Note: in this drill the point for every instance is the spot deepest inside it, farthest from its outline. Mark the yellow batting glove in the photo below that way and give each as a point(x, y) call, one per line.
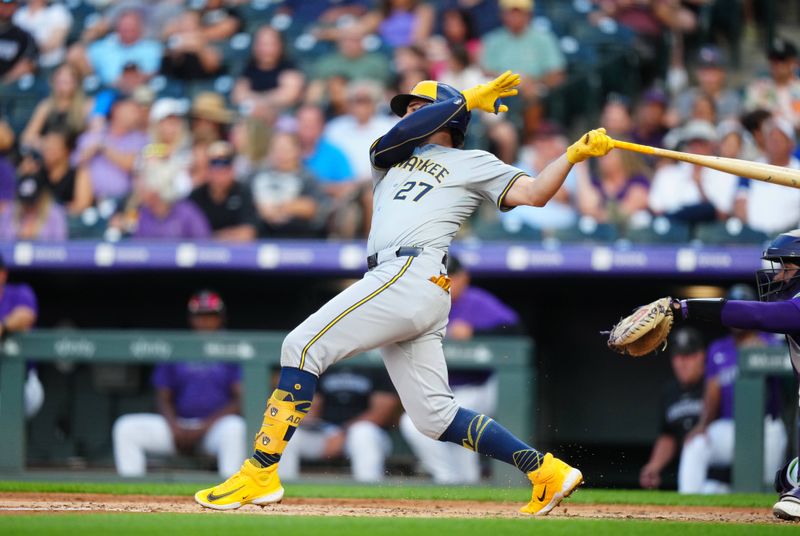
point(485, 96)
point(593, 143)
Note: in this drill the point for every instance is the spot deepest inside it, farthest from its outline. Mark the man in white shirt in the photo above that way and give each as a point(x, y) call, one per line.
point(355, 131)
point(689, 192)
point(772, 208)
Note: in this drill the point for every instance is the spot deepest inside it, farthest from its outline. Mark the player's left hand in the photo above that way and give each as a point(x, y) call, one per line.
point(593, 143)
point(487, 96)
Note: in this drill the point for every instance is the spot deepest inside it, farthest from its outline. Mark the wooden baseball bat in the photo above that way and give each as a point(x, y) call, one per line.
point(742, 168)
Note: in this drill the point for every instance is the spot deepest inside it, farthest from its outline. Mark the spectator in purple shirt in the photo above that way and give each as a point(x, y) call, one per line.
point(162, 214)
point(18, 312)
point(711, 441)
point(109, 155)
point(34, 215)
point(198, 407)
point(473, 311)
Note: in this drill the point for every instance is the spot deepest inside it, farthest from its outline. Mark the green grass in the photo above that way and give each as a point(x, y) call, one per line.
point(230, 525)
point(584, 496)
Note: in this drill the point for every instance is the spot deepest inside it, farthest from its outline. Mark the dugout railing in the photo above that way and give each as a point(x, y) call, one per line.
point(755, 364)
point(510, 358)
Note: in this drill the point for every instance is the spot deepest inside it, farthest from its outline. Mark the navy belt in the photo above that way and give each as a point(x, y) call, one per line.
point(403, 251)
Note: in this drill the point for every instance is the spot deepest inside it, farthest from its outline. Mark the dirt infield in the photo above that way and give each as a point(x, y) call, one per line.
point(53, 503)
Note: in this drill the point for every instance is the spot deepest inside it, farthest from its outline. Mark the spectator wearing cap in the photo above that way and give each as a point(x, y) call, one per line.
point(350, 61)
point(189, 55)
point(18, 313)
point(227, 204)
point(326, 161)
point(71, 186)
point(49, 24)
point(124, 50)
point(767, 207)
point(617, 191)
point(355, 131)
point(711, 441)
point(109, 155)
point(287, 197)
point(269, 78)
point(65, 107)
point(681, 403)
point(34, 215)
point(780, 93)
point(710, 70)
point(198, 407)
point(650, 119)
point(168, 130)
point(531, 51)
point(209, 120)
point(162, 213)
point(690, 193)
point(19, 54)
point(546, 144)
point(475, 312)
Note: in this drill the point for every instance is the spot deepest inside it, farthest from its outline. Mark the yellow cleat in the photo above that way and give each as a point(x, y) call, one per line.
point(552, 481)
point(251, 485)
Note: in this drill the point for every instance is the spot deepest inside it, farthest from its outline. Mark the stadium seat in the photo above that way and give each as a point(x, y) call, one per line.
point(494, 231)
point(660, 231)
point(730, 232)
point(587, 230)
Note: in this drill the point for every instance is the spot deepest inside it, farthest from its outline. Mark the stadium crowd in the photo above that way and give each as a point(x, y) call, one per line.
point(246, 119)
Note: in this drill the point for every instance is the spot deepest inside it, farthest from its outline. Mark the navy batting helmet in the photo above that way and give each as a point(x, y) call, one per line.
point(432, 91)
point(779, 282)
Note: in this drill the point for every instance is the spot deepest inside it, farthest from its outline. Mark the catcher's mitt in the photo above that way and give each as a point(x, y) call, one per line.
point(643, 331)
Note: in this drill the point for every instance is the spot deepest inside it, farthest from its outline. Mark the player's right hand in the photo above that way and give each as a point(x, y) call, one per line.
point(593, 143)
point(485, 96)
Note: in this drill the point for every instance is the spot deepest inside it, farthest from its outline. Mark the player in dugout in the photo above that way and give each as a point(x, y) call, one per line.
point(425, 186)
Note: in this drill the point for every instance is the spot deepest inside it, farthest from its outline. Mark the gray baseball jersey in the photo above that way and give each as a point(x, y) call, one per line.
point(423, 200)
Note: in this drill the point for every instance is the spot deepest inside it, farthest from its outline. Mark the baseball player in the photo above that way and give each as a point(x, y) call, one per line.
point(778, 311)
point(424, 188)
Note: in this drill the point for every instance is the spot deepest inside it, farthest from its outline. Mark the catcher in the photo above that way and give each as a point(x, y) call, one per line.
point(778, 311)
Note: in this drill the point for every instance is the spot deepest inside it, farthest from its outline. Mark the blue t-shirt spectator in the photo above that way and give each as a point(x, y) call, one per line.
point(329, 164)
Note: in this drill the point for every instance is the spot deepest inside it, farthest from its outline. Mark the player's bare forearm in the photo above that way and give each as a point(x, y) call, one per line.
point(537, 192)
point(664, 450)
point(20, 318)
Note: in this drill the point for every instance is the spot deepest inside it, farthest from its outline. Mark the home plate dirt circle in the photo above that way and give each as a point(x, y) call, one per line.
point(88, 503)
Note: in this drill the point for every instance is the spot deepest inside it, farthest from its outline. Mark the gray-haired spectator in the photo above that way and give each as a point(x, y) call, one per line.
point(162, 213)
point(34, 215)
point(122, 56)
point(49, 24)
point(771, 208)
point(109, 155)
point(18, 51)
point(691, 193)
point(355, 131)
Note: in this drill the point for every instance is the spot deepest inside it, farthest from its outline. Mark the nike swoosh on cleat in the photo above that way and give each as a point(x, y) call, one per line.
point(544, 492)
point(211, 497)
